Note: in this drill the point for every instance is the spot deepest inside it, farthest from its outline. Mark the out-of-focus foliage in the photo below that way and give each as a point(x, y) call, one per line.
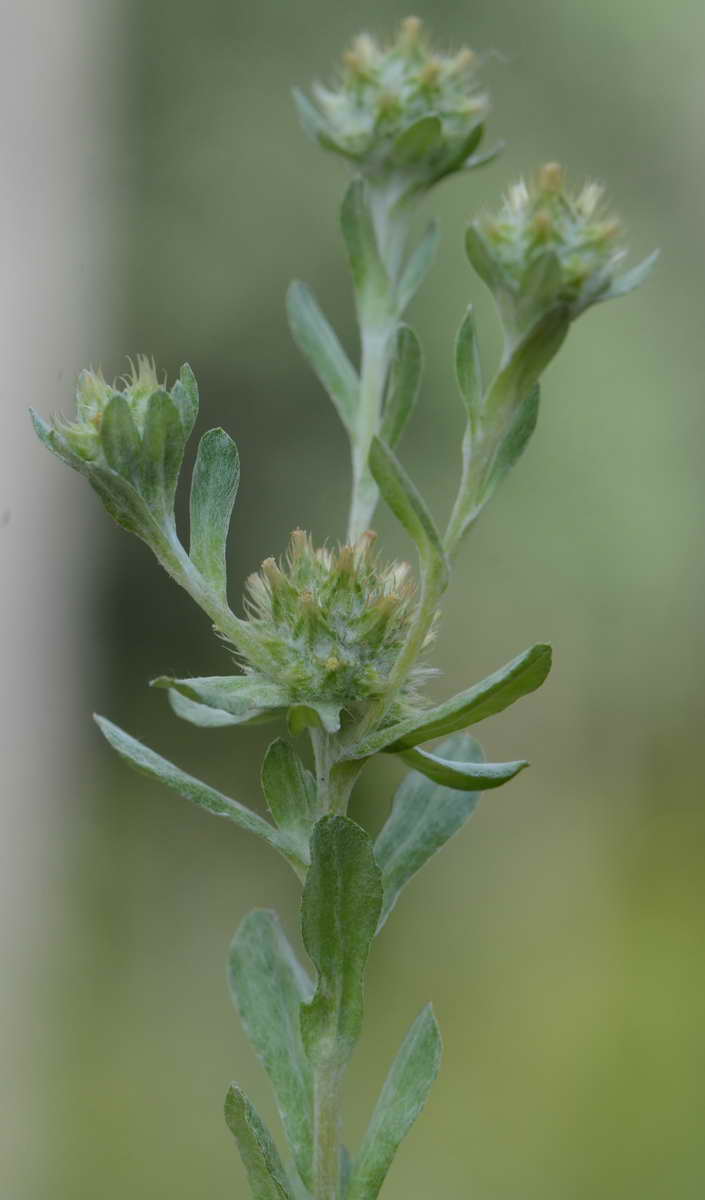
point(560, 936)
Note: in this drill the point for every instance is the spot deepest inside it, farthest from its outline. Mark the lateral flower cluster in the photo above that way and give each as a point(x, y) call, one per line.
point(550, 246)
point(400, 111)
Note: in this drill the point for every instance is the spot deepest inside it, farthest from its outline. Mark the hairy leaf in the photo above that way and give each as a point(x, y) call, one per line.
point(468, 777)
point(409, 508)
point(153, 765)
point(369, 272)
point(265, 1172)
point(631, 279)
point(162, 453)
point(216, 477)
point(319, 344)
point(468, 368)
point(121, 442)
point(290, 792)
point(418, 266)
point(185, 396)
point(242, 696)
point(402, 385)
point(517, 678)
point(424, 817)
point(401, 1100)
point(269, 986)
point(340, 910)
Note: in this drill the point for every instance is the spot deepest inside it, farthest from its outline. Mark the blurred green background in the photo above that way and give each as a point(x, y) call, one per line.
point(561, 935)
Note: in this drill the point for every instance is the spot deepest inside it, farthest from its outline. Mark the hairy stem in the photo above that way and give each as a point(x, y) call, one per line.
point(326, 1131)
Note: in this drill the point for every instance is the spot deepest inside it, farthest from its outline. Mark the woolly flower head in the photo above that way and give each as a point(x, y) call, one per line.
point(327, 625)
point(549, 246)
point(93, 395)
point(400, 110)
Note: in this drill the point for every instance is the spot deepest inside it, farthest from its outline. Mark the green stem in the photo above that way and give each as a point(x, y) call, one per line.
point(326, 1131)
point(376, 348)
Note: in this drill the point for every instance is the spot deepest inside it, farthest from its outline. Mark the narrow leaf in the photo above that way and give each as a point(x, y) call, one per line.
point(162, 453)
point(120, 440)
point(467, 777)
point(153, 765)
point(418, 266)
point(515, 440)
point(243, 696)
point(480, 258)
point(268, 987)
point(369, 273)
point(631, 279)
point(517, 678)
point(212, 718)
point(468, 368)
point(341, 905)
point(408, 507)
point(129, 509)
point(185, 396)
point(290, 792)
point(216, 477)
point(401, 1100)
point(259, 1155)
point(319, 344)
point(402, 385)
point(424, 817)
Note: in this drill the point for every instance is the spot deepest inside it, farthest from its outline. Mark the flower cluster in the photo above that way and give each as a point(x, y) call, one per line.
point(547, 247)
point(93, 396)
point(328, 625)
point(400, 110)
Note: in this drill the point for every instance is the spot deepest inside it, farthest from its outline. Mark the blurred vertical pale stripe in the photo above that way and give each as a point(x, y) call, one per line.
point(53, 221)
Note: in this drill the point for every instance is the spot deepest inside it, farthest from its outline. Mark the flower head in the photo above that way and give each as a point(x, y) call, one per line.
point(550, 247)
point(93, 396)
point(400, 111)
point(326, 626)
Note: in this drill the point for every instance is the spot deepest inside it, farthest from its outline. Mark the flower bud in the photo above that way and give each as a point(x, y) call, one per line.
point(550, 248)
point(402, 113)
point(93, 395)
point(326, 626)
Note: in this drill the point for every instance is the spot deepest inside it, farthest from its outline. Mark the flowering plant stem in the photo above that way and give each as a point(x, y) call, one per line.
point(333, 641)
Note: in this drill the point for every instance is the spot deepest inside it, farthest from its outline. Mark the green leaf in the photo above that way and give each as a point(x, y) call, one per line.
point(216, 477)
point(418, 266)
point(56, 443)
point(515, 440)
point(468, 367)
point(185, 396)
point(211, 718)
point(402, 385)
point(259, 1155)
point(340, 909)
point(403, 1096)
point(121, 442)
point(319, 344)
point(313, 716)
point(630, 279)
point(129, 509)
point(369, 273)
point(162, 453)
point(290, 792)
point(268, 987)
point(417, 141)
point(481, 259)
point(424, 817)
point(408, 507)
point(315, 125)
point(515, 679)
point(529, 359)
point(467, 777)
point(242, 696)
point(154, 766)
